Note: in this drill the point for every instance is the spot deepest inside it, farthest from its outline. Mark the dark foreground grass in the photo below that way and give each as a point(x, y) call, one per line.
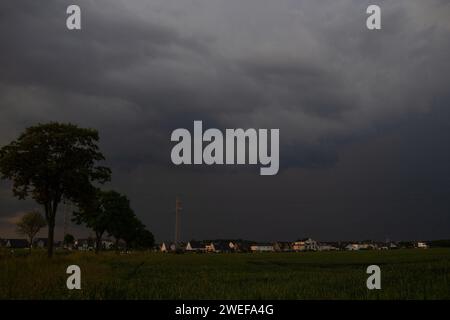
point(406, 274)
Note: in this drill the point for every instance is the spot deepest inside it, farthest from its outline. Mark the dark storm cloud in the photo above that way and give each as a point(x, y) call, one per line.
point(139, 69)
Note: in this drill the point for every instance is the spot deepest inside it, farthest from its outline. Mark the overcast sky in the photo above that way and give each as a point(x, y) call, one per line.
point(363, 115)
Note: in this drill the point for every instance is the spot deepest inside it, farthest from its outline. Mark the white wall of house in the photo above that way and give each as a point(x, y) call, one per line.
point(257, 248)
point(422, 245)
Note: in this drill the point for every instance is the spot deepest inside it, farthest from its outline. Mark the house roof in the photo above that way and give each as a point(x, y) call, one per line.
point(221, 246)
point(197, 244)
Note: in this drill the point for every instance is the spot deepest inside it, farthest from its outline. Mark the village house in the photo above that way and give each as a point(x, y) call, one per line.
point(393, 245)
point(328, 246)
point(421, 245)
point(365, 245)
point(217, 247)
point(306, 244)
point(352, 247)
point(195, 246)
point(84, 244)
point(167, 247)
point(239, 246)
point(107, 244)
point(233, 246)
point(368, 246)
point(16, 243)
point(262, 247)
point(282, 246)
point(386, 246)
point(40, 243)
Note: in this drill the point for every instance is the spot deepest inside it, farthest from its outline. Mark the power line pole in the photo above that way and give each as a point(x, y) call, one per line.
point(177, 221)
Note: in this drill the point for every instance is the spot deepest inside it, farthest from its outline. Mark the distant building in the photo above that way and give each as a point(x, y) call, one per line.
point(40, 243)
point(422, 245)
point(217, 247)
point(262, 247)
point(327, 246)
point(168, 247)
point(233, 245)
point(368, 246)
point(240, 246)
point(107, 244)
point(306, 244)
point(16, 243)
point(195, 246)
point(282, 246)
point(393, 245)
point(85, 244)
point(352, 247)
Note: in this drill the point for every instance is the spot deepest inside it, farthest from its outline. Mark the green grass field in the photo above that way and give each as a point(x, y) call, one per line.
point(406, 274)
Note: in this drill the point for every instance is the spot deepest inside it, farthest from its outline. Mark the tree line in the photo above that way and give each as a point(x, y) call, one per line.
point(55, 162)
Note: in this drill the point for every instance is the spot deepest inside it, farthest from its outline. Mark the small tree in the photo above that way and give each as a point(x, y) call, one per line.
point(30, 224)
point(50, 162)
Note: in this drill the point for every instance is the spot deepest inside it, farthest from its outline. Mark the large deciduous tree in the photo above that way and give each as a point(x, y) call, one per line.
point(30, 224)
point(53, 161)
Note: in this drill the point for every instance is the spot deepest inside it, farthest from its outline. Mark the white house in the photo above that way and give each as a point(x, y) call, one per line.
point(306, 244)
point(85, 244)
point(262, 247)
point(217, 246)
point(239, 246)
point(107, 244)
point(167, 247)
point(352, 247)
point(195, 246)
point(233, 245)
point(422, 245)
point(327, 247)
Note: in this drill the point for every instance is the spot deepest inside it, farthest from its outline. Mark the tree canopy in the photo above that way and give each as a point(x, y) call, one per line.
point(30, 224)
point(49, 162)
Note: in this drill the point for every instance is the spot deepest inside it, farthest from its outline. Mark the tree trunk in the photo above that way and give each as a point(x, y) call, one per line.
point(50, 213)
point(98, 242)
point(51, 231)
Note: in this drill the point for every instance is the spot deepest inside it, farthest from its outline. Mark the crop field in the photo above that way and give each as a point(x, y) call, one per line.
point(405, 274)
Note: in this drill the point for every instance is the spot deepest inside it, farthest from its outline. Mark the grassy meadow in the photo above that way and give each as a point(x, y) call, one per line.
point(406, 274)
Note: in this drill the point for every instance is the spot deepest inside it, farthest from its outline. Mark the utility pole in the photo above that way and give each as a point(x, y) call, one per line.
point(177, 221)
